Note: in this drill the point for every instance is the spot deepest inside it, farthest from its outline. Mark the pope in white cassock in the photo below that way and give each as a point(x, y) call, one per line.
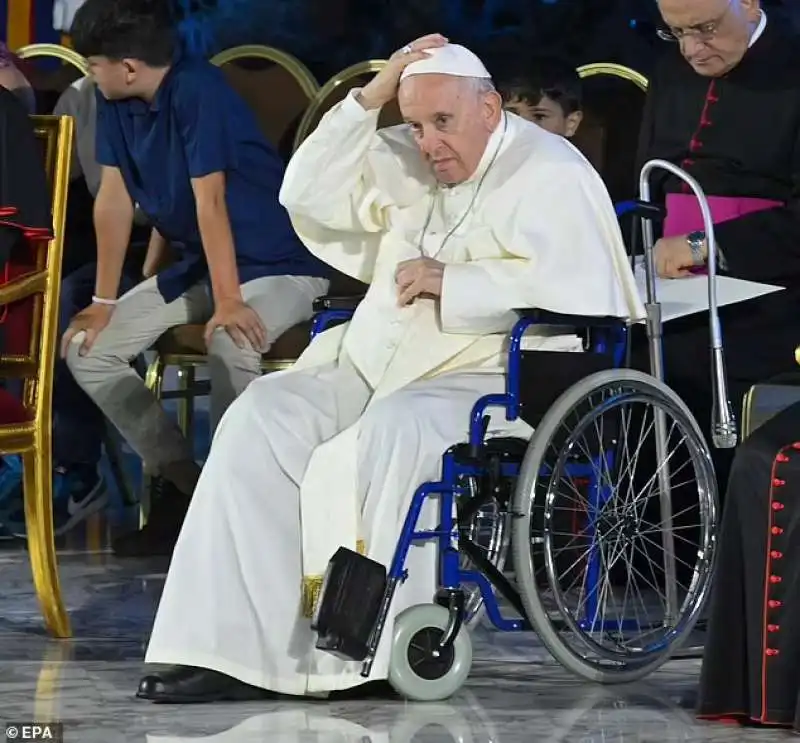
point(454, 219)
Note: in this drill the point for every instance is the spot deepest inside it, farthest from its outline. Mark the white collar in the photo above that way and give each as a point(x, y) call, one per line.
point(762, 24)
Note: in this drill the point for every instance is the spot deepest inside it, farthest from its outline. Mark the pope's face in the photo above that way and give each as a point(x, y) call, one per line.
point(451, 119)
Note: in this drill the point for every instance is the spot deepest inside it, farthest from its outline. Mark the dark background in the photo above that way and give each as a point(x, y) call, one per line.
point(329, 35)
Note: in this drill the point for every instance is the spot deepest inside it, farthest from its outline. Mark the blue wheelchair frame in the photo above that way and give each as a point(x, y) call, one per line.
point(609, 337)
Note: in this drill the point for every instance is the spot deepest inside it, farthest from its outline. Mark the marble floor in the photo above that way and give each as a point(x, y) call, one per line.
point(88, 682)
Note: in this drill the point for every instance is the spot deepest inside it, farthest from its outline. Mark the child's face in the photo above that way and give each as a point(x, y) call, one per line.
point(547, 114)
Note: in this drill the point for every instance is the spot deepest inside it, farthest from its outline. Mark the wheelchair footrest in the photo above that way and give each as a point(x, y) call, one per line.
point(348, 604)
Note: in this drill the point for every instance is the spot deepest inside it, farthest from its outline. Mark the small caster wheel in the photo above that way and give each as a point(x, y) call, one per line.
point(418, 669)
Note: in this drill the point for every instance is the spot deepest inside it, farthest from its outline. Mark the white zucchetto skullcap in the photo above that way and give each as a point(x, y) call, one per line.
point(451, 59)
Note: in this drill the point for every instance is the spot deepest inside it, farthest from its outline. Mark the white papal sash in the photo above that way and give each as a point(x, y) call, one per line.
point(330, 512)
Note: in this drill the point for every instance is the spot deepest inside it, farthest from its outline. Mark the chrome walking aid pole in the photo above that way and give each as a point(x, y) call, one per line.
point(723, 424)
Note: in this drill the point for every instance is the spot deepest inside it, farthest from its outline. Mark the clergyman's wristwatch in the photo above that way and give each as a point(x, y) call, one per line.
point(696, 242)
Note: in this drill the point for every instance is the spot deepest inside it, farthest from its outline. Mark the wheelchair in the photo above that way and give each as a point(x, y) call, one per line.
point(553, 534)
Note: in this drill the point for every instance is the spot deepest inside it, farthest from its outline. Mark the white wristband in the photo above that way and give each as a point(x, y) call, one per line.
point(106, 302)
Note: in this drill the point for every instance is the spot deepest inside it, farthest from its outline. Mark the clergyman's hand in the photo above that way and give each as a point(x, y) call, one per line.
point(91, 322)
point(383, 87)
point(673, 257)
point(418, 277)
point(240, 321)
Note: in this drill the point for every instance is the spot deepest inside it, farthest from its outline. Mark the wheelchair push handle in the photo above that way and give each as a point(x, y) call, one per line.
point(723, 421)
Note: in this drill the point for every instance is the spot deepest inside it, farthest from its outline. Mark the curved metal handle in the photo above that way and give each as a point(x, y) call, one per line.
point(723, 422)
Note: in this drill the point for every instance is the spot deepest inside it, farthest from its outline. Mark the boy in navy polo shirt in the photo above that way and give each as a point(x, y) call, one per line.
point(174, 138)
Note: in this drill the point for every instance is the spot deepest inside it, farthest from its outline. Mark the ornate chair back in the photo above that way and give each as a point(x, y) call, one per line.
point(277, 86)
point(335, 90)
point(614, 98)
point(47, 81)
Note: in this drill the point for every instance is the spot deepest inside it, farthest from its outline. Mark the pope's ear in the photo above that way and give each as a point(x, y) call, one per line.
point(494, 107)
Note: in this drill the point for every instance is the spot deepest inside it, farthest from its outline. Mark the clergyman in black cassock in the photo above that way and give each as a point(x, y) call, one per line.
point(738, 134)
point(751, 668)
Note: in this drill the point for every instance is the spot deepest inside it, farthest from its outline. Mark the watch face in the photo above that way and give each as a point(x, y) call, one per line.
point(696, 237)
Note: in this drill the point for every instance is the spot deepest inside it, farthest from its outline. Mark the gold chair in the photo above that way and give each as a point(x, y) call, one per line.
point(335, 90)
point(183, 347)
point(277, 86)
point(613, 106)
point(766, 399)
point(49, 84)
point(30, 300)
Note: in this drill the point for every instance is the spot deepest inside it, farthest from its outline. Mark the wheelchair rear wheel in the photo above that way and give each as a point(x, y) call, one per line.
point(616, 508)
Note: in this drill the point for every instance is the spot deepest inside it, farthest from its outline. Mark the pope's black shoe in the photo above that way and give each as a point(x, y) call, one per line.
point(189, 685)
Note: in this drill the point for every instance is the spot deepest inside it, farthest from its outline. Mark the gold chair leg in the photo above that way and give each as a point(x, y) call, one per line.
point(154, 378)
point(154, 381)
point(46, 704)
point(186, 380)
point(38, 495)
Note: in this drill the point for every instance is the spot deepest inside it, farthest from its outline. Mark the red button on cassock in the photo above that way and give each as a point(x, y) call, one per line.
point(777, 506)
point(775, 579)
point(775, 604)
point(772, 651)
point(775, 555)
point(777, 531)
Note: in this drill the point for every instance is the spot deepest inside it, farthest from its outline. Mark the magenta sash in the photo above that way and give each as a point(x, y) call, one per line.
point(683, 211)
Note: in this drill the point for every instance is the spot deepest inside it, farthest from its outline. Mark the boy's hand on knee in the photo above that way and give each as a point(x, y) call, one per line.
point(240, 321)
point(91, 323)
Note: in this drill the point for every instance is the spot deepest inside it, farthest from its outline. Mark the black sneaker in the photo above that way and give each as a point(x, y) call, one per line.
point(158, 536)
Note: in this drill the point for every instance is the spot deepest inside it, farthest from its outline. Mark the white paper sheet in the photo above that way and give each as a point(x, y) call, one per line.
point(681, 297)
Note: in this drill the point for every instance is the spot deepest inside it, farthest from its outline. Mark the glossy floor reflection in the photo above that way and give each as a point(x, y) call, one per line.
point(88, 683)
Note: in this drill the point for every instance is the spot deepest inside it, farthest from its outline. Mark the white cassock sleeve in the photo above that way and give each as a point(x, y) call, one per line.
point(328, 179)
point(561, 249)
point(343, 182)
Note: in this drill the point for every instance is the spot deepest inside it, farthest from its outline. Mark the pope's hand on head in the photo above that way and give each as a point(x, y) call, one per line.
point(383, 87)
point(418, 277)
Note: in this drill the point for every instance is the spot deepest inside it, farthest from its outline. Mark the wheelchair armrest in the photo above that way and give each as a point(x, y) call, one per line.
point(328, 303)
point(544, 317)
point(644, 209)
